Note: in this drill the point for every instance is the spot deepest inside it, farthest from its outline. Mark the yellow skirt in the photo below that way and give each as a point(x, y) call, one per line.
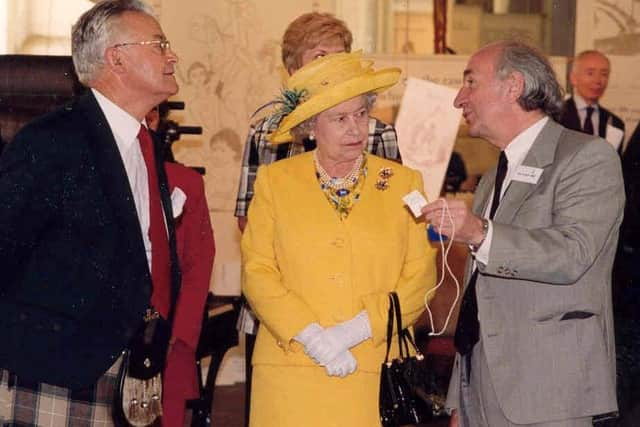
point(294, 396)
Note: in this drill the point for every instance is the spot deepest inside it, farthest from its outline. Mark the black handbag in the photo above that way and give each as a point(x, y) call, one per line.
point(404, 398)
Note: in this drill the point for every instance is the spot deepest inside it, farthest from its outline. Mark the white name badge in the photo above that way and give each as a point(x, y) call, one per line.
point(614, 136)
point(528, 174)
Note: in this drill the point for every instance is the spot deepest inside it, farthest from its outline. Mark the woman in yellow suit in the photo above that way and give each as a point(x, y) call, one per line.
point(328, 238)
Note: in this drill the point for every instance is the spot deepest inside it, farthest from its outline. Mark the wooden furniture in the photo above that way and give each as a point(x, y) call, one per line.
point(31, 85)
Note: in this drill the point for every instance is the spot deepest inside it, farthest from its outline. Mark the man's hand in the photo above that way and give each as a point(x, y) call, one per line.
point(466, 227)
point(453, 421)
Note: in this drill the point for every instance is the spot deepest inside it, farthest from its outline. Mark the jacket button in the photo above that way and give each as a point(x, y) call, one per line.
point(338, 243)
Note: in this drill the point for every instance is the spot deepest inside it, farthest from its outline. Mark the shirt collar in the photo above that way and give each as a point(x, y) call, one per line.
point(521, 144)
point(124, 126)
point(582, 105)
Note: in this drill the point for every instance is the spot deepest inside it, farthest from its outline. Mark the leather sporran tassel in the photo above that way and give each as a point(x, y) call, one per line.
point(154, 396)
point(133, 413)
point(145, 400)
point(140, 379)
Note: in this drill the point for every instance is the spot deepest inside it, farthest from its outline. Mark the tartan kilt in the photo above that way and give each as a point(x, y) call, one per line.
point(38, 404)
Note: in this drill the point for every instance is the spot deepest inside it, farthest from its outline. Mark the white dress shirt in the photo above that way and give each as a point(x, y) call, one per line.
point(125, 129)
point(516, 151)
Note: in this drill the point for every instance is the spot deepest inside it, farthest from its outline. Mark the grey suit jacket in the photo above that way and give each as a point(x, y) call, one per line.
point(544, 298)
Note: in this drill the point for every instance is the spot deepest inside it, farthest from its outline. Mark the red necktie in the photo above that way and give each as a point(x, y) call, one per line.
point(160, 258)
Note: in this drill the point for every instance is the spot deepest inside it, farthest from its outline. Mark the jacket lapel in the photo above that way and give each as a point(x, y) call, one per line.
point(111, 171)
point(571, 119)
point(602, 125)
point(540, 155)
point(481, 200)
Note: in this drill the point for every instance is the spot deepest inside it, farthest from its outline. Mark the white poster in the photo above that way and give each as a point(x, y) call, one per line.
point(427, 125)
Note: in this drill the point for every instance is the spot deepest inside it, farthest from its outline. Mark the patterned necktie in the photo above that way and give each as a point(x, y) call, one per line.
point(160, 257)
point(468, 329)
point(588, 124)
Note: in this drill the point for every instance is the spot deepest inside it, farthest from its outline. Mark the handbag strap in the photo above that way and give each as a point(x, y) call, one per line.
point(389, 328)
point(403, 347)
point(404, 334)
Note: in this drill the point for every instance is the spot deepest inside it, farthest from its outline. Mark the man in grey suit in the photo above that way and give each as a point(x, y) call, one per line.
point(534, 339)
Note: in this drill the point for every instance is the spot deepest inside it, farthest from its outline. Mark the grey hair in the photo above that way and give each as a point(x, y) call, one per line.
point(94, 31)
point(303, 129)
point(541, 88)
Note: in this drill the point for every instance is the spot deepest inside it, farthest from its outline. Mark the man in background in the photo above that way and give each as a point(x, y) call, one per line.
point(582, 112)
point(80, 251)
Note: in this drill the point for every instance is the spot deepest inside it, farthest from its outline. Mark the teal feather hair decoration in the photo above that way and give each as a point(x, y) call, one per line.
point(288, 100)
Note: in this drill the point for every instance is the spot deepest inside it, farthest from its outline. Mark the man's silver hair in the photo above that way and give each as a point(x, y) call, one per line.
point(541, 88)
point(94, 32)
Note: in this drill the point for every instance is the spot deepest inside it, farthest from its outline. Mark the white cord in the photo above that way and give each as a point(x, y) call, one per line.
point(445, 268)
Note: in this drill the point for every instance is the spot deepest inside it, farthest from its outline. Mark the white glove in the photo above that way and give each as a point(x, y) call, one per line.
point(342, 365)
point(308, 334)
point(325, 346)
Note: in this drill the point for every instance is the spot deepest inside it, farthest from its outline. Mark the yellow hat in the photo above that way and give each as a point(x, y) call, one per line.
point(325, 83)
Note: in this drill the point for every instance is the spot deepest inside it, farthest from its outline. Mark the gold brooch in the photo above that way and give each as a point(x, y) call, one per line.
point(385, 173)
point(382, 184)
point(383, 181)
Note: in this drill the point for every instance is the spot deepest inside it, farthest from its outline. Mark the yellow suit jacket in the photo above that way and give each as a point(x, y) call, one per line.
point(302, 264)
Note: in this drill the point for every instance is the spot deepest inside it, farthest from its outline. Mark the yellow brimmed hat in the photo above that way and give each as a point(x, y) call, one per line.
point(325, 83)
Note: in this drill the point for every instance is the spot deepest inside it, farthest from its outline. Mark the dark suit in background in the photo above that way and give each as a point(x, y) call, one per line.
point(626, 291)
point(569, 118)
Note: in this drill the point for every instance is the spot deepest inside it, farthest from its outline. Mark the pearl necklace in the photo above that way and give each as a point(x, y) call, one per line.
point(343, 184)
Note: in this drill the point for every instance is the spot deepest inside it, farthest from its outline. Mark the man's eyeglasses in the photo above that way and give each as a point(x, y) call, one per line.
point(163, 44)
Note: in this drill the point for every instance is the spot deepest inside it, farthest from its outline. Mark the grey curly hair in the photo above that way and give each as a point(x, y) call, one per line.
point(541, 88)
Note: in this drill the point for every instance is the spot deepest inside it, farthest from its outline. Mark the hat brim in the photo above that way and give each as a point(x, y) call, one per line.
point(376, 81)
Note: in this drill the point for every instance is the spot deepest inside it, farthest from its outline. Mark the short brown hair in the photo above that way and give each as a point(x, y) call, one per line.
point(306, 31)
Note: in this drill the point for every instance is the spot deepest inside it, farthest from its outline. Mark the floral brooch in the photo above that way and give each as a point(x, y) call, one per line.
point(383, 178)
